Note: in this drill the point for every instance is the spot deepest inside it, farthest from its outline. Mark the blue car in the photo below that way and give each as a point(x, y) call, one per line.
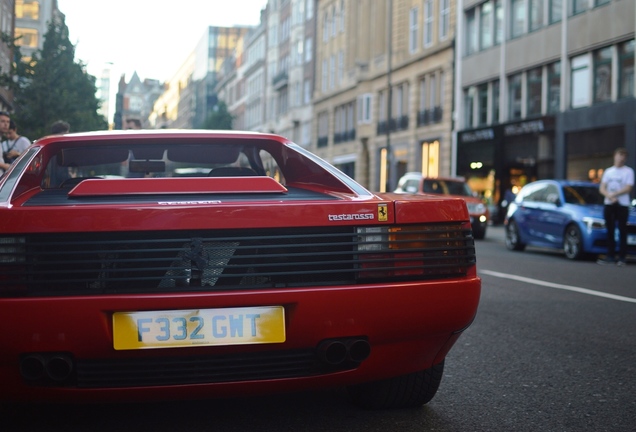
point(562, 214)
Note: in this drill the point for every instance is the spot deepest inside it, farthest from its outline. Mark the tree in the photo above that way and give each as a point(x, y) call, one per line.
point(58, 89)
point(220, 118)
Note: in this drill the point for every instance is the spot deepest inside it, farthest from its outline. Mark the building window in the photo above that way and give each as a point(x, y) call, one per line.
point(444, 19)
point(307, 92)
point(364, 108)
point(482, 105)
point(324, 76)
point(428, 22)
point(485, 24)
point(514, 96)
point(433, 91)
point(469, 100)
point(27, 9)
point(556, 10)
point(340, 76)
point(626, 69)
point(308, 49)
point(554, 87)
point(495, 102)
point(323, 129)
point(536, 14)
point(430, 159)
point(423, 93)
point(499, 22)
point(534, 84)
point(342, 16)
point(581, 85)
point(332, 71)
point(603, 75)
point(27, 37)
point(471, 33)
point(517, 18)
point(413, 30)
point(579, 6)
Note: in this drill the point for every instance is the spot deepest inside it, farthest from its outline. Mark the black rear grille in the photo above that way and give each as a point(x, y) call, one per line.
point(153, 371)
point(165, 261)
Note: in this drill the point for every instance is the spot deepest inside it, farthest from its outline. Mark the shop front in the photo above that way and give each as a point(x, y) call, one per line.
point(499, 160)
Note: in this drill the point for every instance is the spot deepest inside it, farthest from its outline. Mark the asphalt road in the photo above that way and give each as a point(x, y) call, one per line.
point(553, 348)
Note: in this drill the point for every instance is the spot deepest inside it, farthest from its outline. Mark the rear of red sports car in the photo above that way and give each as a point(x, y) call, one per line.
point(163, 265)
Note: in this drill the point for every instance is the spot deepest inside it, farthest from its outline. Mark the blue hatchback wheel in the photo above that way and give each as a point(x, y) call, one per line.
point(573, 243)
point(513, 241)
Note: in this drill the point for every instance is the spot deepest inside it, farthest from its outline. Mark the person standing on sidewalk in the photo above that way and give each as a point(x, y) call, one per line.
point(616, 185)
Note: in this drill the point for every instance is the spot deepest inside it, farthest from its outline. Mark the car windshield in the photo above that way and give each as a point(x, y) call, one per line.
point(582, 195)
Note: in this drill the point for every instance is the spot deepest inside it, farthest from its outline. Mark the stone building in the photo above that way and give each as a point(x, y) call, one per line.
point(544, 88)
point(383, 94)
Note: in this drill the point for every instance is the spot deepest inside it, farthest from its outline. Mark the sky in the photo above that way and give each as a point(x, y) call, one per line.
point(151, 37)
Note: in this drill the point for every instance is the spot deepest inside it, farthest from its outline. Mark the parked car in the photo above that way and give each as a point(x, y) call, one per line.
point(561, 214)
point(272, 272)
point(415, 182)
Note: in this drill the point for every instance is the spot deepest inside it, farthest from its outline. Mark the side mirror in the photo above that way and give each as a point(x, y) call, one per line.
point(411, 189)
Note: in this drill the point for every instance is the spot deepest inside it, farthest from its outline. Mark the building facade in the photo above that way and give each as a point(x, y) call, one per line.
point(383, 95)
point(32, 18)
point(7, 20)
point(544, 88)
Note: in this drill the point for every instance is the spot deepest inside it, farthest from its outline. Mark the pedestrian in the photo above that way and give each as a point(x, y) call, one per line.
point(5, 119)
point(14, 144)
point(60, 127)
point(616, 185)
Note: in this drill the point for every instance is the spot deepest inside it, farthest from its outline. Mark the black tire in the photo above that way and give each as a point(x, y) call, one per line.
point(513, 241)
point(479, 234)
point(406, 391)
point(573, 243)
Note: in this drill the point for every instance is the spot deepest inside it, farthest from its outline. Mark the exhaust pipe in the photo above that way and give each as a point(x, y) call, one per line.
point(358, 350)
point(59, 367)
point(332, 351)
point(32, 367)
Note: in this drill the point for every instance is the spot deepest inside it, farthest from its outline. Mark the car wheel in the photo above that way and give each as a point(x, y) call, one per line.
point(513, 240)
point(573, 243)
point(480, 233)
point(406, 391)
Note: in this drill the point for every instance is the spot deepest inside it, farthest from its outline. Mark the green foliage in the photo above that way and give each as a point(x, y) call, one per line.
point(55, 87)
point(220, 118)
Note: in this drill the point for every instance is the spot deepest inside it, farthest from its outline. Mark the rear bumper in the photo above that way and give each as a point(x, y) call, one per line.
point(409, 327)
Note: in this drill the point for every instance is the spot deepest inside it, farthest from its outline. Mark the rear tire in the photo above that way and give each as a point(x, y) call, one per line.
point(513, 240)
point(406, 391)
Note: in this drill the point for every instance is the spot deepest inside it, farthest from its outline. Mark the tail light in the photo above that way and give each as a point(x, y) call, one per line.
point(12, 263)
point(412, 250)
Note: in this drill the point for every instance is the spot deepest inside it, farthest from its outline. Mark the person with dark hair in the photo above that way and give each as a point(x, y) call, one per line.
point(133, 123)
point(60, 127)
point(616, 185)
point(14, 144)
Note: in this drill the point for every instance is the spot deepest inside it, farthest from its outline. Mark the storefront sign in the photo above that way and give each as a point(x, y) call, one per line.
point(524, 128)
point(479, 135)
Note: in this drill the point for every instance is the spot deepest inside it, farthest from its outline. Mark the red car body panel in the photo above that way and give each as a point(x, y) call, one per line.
point(409, 322)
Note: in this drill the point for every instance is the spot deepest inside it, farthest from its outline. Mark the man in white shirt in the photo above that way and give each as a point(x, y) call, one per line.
point(14, 144)
point(616, 185)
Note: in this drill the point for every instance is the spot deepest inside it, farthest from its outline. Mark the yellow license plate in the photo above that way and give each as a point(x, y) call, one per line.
point(198, 327)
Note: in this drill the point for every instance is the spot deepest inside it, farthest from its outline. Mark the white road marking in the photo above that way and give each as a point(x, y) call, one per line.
point(558, 286)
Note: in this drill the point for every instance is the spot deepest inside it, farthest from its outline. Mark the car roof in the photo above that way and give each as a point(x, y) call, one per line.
point(445, 178)
point(565, 182)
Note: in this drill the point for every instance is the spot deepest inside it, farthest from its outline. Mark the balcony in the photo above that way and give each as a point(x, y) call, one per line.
point(396, 124)
point(280, 81)
point(430, 116)
point(340, 137)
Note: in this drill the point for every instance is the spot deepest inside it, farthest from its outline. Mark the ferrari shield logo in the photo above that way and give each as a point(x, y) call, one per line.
point(383, 214)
